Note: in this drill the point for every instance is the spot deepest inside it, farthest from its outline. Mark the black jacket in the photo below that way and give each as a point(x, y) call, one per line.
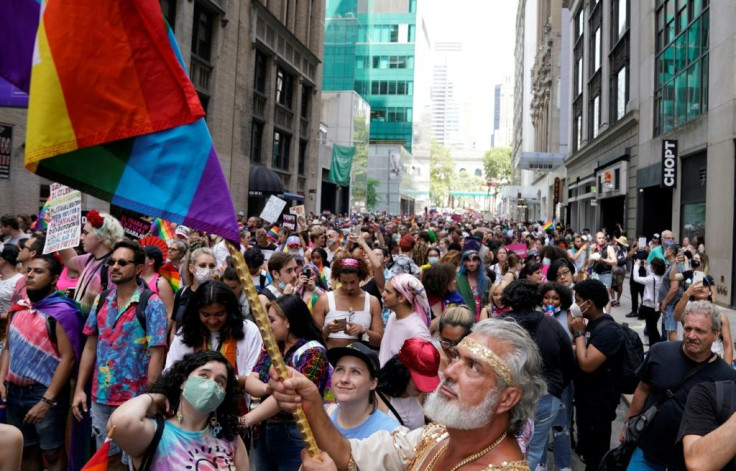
point(554, 346)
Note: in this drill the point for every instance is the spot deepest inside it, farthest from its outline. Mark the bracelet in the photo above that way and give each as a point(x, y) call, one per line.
point(48, 401)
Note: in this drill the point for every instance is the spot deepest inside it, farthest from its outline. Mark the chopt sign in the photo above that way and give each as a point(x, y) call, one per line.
point(669, 163)
point(65, 226)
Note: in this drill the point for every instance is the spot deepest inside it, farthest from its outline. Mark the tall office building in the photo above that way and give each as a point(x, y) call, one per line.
point(503, 113)
point(446, 113)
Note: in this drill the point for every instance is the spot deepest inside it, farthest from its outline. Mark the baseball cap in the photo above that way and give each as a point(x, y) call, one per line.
point(423, 361)
point(656, 235)
point(293, 240)
point(182, 231)
point(358, 350)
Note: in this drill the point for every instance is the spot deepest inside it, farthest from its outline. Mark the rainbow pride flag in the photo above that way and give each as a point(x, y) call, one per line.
point(18, 25)
point(112, 113)
point(163, 229)
point(41, 224)
point(548, 225)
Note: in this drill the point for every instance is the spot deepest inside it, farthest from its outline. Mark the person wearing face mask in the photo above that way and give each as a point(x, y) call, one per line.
point(433, 258)
point(213, 320)
point(670, 291)
point(441, 285)
point(37, 362)
point(599, 352)
point(194, 405)
point(202, 265)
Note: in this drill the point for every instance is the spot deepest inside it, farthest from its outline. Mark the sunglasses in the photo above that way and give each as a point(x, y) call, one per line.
point(111, 262)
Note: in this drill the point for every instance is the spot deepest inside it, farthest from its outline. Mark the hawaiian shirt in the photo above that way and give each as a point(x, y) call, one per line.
point(121, 368)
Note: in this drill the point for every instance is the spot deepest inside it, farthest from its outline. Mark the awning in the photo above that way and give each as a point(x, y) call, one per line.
point(293, 196)
point(264, 182)
point(478, 194)
point(540, 161)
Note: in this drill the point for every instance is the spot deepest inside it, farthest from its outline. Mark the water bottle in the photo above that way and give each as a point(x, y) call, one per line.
point(549, 310)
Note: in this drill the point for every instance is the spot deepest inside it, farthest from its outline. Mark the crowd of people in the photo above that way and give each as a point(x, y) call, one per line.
point(436, 342)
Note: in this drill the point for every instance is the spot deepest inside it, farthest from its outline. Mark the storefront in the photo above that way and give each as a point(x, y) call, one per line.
point(611, 188)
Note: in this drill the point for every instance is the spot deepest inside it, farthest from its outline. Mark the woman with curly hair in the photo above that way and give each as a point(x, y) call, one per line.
point(277, 443)
point(348, 313)
point(198, 395)
point(213, 320)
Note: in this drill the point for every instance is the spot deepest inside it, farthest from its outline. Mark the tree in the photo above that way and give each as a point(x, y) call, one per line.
point(441, 173)
point(371, 197)
point(497, 163)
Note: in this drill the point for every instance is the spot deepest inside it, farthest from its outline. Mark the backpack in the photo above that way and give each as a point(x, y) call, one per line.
point(140, 308)
point(631, 358)
point(620, 256)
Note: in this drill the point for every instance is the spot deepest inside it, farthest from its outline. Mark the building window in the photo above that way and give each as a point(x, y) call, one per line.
point(284, 87)
point(682, 40)
point(392, 87)
point(259, 82)
point(478, 172)
point(281, 147)
point(256, 141)
point(306, 100)
point(577, 128)
point(594, 49)
point(168, 8)
point(302, 156)
point(619, 60)
point(594, 82)
point(202, 32)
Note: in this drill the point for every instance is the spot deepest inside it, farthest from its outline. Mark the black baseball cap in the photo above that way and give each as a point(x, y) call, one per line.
point(356, 349)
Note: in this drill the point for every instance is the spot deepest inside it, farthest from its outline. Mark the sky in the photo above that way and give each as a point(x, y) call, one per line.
point(487, 30)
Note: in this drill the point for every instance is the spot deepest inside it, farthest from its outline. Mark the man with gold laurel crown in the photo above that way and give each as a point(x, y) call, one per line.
point(489, 390)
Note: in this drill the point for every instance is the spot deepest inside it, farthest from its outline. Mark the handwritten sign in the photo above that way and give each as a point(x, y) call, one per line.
point(273, 209)
point(134, 226)
point(65, 211)
point(290, 221)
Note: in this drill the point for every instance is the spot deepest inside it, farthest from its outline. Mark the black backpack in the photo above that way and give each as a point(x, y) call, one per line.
point(140, 309)
point(632, 356)
point(621, 256)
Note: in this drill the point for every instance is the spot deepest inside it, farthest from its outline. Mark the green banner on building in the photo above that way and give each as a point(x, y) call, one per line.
point(342, 162)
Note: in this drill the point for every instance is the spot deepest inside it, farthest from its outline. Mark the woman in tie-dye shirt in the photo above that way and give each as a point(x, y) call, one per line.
point(199, 394)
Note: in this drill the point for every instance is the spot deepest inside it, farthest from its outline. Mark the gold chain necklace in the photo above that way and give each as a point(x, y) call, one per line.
point(467, 460)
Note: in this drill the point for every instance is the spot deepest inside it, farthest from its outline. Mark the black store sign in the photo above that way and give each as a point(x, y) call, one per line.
point(669, 163)
point(6, 149)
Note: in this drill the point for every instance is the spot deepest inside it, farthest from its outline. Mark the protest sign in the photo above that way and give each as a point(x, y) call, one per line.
point(301, 217)
point(272, 211)
point(289, 221)
point(133, 226)
point(65, 225)
point(518, 249)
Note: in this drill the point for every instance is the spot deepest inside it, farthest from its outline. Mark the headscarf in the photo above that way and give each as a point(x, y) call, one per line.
point(413, 290)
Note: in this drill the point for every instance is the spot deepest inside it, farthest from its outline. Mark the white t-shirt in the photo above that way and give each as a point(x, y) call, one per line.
point(397, 331)
point(247, 351)
point(6, 291)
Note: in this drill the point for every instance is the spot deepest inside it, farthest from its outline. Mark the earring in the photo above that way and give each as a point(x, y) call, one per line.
point(179, 417)
point(216, 427)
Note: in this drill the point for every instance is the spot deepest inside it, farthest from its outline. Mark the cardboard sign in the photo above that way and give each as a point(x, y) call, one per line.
point(273, 209)
point(518, 249)
point(301, 217)
point(289, 221)
point(65, 225)
point(133, 226)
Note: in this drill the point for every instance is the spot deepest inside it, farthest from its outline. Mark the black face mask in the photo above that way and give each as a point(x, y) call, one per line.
point(38, 294)
point(695, 264)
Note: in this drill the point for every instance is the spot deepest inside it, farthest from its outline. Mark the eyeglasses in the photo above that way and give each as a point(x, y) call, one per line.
point(448, 344)
point(564, 272)
point(111, 262)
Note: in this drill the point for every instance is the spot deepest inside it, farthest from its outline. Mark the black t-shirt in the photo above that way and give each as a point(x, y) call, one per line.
point(664, 368)
point(372, 288)
point(702, 415)
point(600, 388)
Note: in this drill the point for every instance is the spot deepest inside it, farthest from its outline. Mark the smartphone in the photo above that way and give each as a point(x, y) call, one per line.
point(698, 276)
point(642, 242)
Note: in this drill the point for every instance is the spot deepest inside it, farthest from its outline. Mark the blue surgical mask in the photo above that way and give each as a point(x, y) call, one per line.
point(669, 243)
point(433, 260)
point(546, 261)
point(203, 394)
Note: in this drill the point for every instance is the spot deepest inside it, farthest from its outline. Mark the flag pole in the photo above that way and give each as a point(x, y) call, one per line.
point(269, 341)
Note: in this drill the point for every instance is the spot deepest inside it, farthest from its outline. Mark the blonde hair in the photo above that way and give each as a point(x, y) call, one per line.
point(111, 231)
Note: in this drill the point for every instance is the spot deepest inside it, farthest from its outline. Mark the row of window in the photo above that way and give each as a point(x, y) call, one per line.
point(384, 87)
point(401, 33)
point(384, 62)
point(682, 63)
point(392, 114)
point(281, 149)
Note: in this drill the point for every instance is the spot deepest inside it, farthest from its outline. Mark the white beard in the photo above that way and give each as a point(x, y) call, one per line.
point(452, 414)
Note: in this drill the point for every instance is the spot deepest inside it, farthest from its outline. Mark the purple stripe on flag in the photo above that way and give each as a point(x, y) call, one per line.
point(18, 26)
point(212, 193)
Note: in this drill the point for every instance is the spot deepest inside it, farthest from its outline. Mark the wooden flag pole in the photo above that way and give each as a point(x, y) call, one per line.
point(269, 341)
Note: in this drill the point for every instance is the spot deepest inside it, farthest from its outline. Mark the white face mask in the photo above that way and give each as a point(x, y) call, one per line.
point(203, 274)
point(575, 310)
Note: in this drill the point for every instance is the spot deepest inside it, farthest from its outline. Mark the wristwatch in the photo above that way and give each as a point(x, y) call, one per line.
point(48, 401)
point(578, 334)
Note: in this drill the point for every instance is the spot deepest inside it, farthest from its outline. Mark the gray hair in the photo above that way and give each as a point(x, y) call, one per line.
point(457, 316)
point(706, 308)
point(181, 245)
point(525, 363)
